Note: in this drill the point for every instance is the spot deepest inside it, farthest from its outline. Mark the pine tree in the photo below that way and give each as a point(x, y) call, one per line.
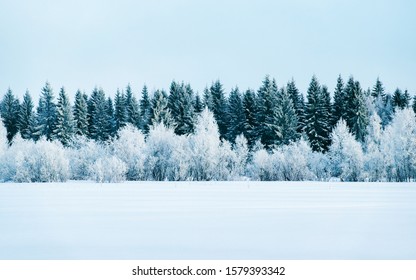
point(298, 104)
point(160, 112)
point(326, 115)
point(414, 104)
point(378, 90)
point(132, 107)
point(9, 111)
point(235, 115)
point(145, 110)
point(98, 116)
point(198, 105)
point(26, 117)
point(250, 118)
point(316, 127)
point(80, 114)
point(400, 99)
point(120, 114)
point(339, 107)
point(64, 123)
point(208, 100)
point(286, 117)
point(268, 112)
point(357, 113)
point(180, 103)
point(46, 113)
point(219, 107)
point(111, 128)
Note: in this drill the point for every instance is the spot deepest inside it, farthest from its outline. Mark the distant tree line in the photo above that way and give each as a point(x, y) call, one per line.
point(348, 134)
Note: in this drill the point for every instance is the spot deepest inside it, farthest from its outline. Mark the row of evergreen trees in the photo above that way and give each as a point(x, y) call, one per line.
point(275, 116)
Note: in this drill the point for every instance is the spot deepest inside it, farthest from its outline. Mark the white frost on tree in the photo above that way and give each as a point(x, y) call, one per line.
point(130, 148)
point(347, 160)
point(399, 147)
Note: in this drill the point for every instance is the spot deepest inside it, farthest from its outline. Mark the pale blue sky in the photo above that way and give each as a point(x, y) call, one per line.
point(83, 43)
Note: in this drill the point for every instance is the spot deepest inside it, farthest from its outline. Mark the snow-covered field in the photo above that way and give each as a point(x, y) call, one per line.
point(208, 220)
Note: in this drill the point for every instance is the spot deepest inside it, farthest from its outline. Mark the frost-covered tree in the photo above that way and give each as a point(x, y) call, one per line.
point(46, 113)
point(203, 149)
point(130, 147)
point(80, 110)
point(346, 155)
point(160, 163)
point(399, 146)
point(241, 150)
point(43, 161)
point(64, 123)
point(374, 165)
point(9, 111)
point(180, 103)
point(108, 169)
point(236, 115)
point(27, 117)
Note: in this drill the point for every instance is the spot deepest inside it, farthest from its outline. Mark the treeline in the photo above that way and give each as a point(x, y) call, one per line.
point(278, 134)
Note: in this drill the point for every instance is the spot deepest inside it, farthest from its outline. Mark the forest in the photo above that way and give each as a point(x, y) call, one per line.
point(274, 133)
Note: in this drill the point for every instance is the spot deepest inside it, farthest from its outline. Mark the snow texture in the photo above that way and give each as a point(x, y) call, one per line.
point(208, 220)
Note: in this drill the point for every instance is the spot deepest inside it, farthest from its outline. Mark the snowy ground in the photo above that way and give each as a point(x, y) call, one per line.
point(208, 220)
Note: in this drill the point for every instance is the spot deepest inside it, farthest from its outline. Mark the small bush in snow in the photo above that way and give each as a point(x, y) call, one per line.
point(108, 169)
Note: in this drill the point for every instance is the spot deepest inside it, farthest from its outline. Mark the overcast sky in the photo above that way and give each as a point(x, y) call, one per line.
point(84, 43)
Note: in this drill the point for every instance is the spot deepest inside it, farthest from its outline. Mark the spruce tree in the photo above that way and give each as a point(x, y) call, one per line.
point(46, 113)
point(286, 118)
point(27, 117)
point(208, 100)
point(414, 104)
point(298, 104)
point(80, 114)
point(145, 110)
point(160, 112)
point(98, 129)
point(120, 114)
point(9, 111)
point(64, 123)
point(267, 103)
point(198, 105)
point(180, 103)
point(250, 118)
point(111, 128)
point(339, 107)
point(326, 115)
point(378, 90)
point(315, 127)
point(400, 99)
point(357, 113)
point(219, 107)
point(235, 115)
point(132, 107)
